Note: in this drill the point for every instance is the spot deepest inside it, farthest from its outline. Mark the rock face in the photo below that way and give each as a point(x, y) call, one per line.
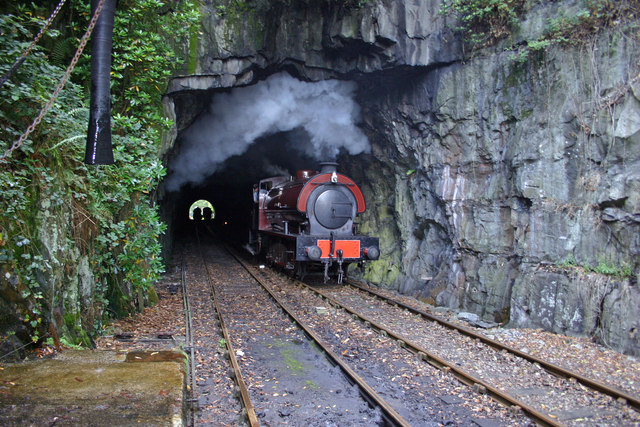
point(496, 185)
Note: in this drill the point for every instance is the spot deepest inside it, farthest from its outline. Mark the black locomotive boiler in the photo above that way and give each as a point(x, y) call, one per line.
point(307, 222)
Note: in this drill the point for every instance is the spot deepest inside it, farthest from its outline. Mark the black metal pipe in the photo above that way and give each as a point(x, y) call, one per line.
point(99, 149)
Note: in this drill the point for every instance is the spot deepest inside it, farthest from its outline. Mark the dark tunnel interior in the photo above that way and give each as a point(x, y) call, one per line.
point(229, 188)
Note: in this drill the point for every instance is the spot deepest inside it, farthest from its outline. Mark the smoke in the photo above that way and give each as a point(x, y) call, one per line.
point(323, 113)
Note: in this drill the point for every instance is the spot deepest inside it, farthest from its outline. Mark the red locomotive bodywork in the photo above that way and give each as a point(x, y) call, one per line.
point(310, 219)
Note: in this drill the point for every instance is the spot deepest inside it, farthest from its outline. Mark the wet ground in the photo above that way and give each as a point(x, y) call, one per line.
point(97, 388)
point(308, 389)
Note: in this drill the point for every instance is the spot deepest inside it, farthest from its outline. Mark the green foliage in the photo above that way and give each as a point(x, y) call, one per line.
point(608, 268)
point(54, 208)
point(523, 54)
point(604, 267)
point(484, 21)
point(593, 16)
point(564, 29)
point(569, 262)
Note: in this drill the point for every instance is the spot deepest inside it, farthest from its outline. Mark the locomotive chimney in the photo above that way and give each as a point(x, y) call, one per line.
point(328, 167)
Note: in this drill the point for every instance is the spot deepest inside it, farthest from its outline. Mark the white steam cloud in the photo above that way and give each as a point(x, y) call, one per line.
point(281, 103)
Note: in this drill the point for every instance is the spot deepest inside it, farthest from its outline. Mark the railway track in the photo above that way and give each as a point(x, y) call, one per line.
point(620, 395)
point(415, 405)
point(289, 371)
point(552, 395)
point(280, 374)
point(213, 394)
point(371, 336)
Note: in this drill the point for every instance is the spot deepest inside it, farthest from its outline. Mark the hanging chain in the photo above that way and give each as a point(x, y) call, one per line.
point(21, 59)
point(48, 105)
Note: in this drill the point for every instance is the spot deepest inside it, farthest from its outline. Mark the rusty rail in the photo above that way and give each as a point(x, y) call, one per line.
point(632, 401)
point(390, 414)
point(242, 387)
point(191, 374)
point(438, 362)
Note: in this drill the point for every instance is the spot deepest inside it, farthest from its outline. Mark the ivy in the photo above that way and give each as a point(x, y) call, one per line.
point(49, 199)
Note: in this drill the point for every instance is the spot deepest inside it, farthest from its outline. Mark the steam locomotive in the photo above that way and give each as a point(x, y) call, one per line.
point(307, 223)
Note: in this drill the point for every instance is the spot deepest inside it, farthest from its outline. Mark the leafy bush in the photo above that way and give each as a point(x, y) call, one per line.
point(50, 200)
point(484, 21)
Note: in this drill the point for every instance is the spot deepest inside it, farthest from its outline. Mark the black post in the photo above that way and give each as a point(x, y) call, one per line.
point(99, 150)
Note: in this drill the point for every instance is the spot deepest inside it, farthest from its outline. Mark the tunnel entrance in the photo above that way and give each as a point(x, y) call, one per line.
point(242, 135)
point(229, 188)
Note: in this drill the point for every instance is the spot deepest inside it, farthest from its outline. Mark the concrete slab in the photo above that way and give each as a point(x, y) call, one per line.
point(98, 388)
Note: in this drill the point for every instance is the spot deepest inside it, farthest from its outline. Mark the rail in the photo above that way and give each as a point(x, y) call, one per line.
point(242, 387)
point(390, 415)
point(189, 339)
point(438, 362)
point(632, 401)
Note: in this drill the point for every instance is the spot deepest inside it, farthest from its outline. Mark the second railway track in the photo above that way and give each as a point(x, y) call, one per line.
point(528, 383)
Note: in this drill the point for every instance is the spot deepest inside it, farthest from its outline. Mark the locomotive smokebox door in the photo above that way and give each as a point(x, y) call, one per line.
point(333, 209)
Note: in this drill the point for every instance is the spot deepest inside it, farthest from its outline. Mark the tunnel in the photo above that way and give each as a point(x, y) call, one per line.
point(229, 188)
point(281, 148)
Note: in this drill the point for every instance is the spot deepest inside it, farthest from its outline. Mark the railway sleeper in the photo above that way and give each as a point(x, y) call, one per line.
point(479, 388)
point(244, 416)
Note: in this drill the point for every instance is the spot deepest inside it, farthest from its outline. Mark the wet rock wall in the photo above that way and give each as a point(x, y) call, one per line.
point(514, 181)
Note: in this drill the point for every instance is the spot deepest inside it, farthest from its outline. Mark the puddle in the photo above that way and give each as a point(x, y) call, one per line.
point(92, 388)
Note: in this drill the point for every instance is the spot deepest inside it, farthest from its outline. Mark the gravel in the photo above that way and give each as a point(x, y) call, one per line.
point(421, 393)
